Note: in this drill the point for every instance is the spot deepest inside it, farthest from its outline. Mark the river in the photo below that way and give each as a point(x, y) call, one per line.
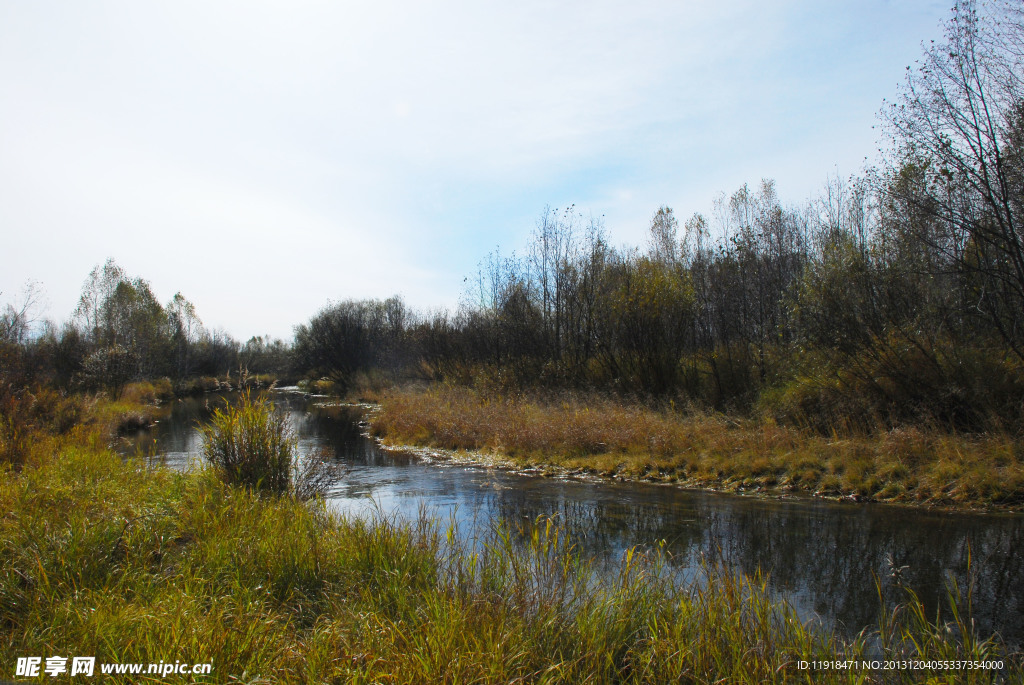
point(823, 557)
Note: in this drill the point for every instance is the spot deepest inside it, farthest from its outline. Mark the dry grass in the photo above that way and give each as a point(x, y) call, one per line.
point(607, 437)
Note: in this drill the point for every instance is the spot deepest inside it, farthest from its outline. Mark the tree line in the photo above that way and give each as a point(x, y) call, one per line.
point(120, 332)
point(895, 296)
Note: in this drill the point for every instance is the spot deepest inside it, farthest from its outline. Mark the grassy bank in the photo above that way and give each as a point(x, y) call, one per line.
point(608, 437)
point(104, 557)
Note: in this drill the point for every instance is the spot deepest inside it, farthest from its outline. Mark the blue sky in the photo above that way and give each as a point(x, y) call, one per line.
point(265, 157)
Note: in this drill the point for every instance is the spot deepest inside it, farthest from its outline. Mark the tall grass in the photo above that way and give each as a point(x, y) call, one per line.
point(250, 444)
point(609, 437)
point(104, 559)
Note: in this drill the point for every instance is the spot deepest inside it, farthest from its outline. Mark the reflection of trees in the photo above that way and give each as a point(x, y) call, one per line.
point(827, 555)
point(338, 428)
point(176, 431)
point(824, 557)
point(602, 520)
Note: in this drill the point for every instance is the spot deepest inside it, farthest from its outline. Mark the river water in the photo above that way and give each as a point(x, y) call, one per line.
point(823, 557)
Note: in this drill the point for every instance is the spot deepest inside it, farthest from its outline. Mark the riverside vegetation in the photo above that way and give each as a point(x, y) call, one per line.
point(105, 557)
point(603, 436)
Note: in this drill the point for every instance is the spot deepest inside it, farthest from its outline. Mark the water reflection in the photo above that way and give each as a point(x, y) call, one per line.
point(823, 557)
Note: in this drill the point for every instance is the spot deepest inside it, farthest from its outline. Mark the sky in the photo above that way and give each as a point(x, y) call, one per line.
point(264, 158)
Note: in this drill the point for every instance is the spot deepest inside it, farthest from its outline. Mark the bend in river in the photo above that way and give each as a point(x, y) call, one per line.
point(822, 557)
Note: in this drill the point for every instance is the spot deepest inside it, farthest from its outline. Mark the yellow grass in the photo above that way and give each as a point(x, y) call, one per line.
point(608, 437)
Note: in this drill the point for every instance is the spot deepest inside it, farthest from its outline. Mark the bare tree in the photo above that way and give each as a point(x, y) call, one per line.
point(959, 131)
point(664, 240)
point(18, 317)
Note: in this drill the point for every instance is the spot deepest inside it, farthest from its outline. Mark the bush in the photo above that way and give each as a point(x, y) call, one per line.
point(108, 368)
point(148, 392)
point(251, 445)
point(29, 414)
point(893, 382)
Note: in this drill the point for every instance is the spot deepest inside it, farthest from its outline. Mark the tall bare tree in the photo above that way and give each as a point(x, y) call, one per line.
point(959, 129)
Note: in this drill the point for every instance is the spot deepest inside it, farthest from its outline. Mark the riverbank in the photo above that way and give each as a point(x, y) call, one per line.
point(103, 557)
point(602, 437)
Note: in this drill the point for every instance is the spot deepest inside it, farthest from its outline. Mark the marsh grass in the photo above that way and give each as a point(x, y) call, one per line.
point(250, 443)
point(606, 436)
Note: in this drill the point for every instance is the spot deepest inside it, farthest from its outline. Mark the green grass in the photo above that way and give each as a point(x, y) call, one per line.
point(250, 444)
point(103, 557)
point(609, 437)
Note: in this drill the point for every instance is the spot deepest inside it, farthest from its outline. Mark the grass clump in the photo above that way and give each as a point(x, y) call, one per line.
point(250, 444)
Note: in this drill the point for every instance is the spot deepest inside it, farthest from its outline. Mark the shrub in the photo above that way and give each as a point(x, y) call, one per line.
point(895, 382)
point(251, 445)
point(108, 368)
